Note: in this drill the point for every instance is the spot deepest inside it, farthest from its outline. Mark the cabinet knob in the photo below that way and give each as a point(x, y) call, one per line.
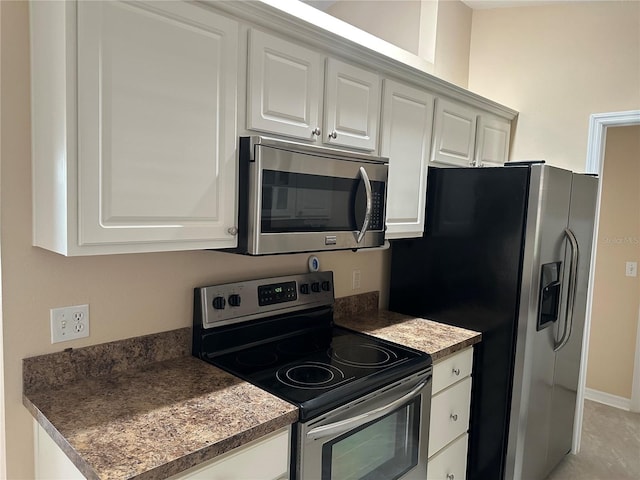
point(450, 476)
point(454, 417)
point(316, 131)
point(456, 372)
point(473, 163)
point(232, 230)
point(333, 135)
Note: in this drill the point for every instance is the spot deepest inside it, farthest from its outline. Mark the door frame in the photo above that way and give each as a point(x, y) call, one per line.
point(598, 125)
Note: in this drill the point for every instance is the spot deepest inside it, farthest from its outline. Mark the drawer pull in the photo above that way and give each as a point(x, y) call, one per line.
point(454, 417)
point(450, 476)
point(456, 371)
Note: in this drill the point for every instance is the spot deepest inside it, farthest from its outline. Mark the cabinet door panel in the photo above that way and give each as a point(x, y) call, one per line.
point(451, 462)
point(266, 458)
point(452, 369)
point(156, 120)
point(493, 141)
point(284, 87)
point(454, 134)
point(449, 415)
point(407, 115)
point(352, 106)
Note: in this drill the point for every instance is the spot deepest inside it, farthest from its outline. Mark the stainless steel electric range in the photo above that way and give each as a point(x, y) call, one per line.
point(364, 402)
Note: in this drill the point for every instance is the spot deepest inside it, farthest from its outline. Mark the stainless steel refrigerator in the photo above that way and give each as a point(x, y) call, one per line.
point(507, 252)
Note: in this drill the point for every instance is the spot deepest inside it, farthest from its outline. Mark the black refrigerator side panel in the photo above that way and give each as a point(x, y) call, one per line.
point(466, 271)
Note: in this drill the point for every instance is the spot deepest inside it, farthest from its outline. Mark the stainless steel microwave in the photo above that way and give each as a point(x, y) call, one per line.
point(303, 198)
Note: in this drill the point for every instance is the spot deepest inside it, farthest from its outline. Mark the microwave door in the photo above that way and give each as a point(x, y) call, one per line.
point(312, 203)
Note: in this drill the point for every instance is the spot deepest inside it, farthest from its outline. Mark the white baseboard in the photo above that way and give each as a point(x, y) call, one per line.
point(608, 399)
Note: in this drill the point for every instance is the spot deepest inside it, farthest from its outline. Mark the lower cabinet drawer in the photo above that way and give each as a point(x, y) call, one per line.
point(451, 462)
point(449, 415)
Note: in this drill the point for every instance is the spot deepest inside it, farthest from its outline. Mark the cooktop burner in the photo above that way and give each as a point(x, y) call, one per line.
point(365, 355)
point(291, 348)
point(311, 375)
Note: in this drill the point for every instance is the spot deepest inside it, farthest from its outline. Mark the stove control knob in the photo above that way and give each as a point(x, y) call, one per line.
point(315, 287)
point(234, 300)
point(304, 288)
point(219, 303)
point(326, 286)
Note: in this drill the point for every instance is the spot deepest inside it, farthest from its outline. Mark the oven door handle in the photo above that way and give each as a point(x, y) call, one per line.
point(367, 214)
point(345, 425)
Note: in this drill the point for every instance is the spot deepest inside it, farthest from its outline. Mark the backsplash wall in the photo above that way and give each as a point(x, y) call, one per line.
point(128, 295)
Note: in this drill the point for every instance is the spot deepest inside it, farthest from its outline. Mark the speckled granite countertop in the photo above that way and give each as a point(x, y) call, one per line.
point(435, 338)
point(135, 417)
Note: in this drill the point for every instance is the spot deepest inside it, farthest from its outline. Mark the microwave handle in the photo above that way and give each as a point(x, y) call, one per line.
point(367, 214)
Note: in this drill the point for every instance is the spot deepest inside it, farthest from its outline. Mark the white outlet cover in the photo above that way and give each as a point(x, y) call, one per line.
point(631, 269)
point(69, 323)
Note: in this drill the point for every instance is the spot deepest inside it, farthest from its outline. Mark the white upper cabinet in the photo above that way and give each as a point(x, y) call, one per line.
point(468, 137)
point(405, 135)
point(289, 94)
point(352, 106)
point(150, 164)
point(454, 134)
point(284, 87)
point(492, 148)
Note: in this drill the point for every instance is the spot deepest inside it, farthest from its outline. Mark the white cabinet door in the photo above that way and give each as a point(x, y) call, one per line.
point(264, 459)
point(451, 462)
point(492, 145)
point(454, 134)
point(352, 106)
point(407, 115)
point(156, 124)
point(284, 87)
point(452, 369)
point(449, 415)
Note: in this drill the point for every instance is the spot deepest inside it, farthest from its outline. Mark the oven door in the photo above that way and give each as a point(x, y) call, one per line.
point(383, 436)
point(314, 200)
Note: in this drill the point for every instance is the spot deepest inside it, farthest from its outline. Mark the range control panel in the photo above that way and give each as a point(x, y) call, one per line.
point(236, 302)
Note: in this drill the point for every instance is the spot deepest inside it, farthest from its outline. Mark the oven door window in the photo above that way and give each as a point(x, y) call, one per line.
point(384, 449)
point(298, 202)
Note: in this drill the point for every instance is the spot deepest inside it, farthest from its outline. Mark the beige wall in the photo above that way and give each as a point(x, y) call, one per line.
point(557, 65)
point(453, 42)
point(397, 22)
point(405, 23)
point(129, 295)
point(616, 297)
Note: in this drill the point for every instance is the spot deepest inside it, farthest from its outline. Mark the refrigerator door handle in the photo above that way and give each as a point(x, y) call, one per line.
point(573, 285)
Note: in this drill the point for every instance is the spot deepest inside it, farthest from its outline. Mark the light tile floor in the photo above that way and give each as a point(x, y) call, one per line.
point(610, 447)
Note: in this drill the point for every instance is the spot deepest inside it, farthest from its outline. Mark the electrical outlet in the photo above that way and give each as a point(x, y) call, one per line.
point(355, 280)
point(69, 323)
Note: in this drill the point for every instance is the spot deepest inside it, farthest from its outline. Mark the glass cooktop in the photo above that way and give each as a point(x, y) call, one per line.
point(322, 368)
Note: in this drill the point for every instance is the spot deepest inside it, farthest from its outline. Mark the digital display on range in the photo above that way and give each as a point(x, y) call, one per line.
point(277, 293)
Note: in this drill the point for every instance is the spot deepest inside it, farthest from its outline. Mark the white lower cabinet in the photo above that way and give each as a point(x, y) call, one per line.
point(264, 459)
point(450, 463)
point(450, 408)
